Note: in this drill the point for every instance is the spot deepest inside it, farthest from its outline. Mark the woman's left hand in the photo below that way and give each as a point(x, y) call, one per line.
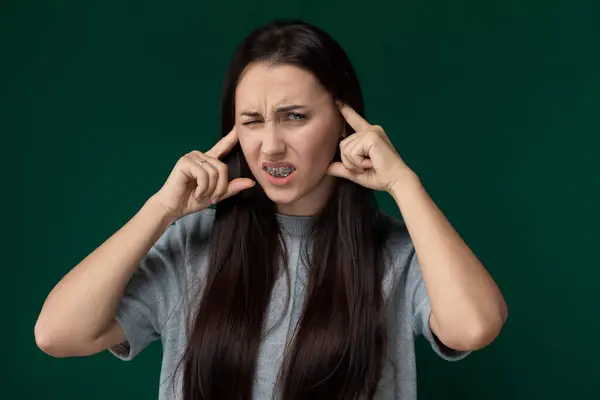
point(368, 156)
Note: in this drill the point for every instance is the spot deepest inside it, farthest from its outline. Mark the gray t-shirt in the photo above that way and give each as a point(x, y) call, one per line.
point(155, 301)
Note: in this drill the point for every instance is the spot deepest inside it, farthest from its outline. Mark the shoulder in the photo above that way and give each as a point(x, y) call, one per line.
point(183, 239)
point(395, 234)
point(176, 258)
point(398, 252)
point(195, 224)
point(192, 232)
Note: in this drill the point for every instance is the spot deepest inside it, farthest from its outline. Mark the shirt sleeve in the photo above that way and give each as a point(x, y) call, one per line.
point(422, 312)
point(142, 308)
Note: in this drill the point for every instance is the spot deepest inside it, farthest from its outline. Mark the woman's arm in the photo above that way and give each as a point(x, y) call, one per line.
point(78, 316)
point(468, 309)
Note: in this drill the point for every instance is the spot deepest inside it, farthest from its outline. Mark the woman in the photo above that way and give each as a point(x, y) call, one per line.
point(295, 285)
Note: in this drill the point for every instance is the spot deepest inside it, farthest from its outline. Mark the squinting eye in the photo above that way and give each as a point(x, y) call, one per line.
point(251, 122)
point(296, 116)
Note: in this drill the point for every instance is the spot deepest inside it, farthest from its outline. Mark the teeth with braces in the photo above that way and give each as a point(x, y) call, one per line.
point(281, 171)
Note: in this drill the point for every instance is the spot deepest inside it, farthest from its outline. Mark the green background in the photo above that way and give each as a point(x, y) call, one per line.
point(495, 105)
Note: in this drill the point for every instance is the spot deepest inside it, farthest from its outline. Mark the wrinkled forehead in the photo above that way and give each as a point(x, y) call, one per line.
point(264, 87)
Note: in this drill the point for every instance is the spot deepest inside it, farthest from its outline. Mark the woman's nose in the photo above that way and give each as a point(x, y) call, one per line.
point(272, 142)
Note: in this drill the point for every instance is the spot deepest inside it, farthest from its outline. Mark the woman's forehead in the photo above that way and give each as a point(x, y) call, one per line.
point(277, 85)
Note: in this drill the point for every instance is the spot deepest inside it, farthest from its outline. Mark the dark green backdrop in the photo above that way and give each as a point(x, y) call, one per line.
point(495, 104)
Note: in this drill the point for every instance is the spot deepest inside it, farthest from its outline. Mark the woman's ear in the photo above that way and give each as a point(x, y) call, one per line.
point(344, 134)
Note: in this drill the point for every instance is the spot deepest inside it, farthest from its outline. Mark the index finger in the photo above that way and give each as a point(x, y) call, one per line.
point(224, 145)
point(353, 118)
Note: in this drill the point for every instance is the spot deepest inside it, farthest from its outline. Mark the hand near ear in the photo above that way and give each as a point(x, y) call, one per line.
point(368, 156)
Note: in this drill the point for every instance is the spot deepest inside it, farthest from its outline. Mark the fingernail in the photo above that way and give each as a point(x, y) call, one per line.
point(214, 200)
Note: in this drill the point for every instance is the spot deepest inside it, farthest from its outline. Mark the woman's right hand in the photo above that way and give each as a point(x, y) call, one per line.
point(199, 180)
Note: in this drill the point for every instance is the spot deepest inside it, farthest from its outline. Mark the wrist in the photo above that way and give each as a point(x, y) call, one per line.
point(406, 180)
point(155, 208)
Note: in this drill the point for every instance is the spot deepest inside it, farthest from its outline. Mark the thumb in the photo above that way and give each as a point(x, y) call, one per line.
point(337, 169)
point(237, 185)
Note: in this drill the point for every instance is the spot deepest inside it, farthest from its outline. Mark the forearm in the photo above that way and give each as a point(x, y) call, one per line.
point(83, 304)
point(467, 306)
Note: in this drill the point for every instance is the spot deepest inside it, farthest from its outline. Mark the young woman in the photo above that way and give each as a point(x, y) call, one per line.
point(294, 286)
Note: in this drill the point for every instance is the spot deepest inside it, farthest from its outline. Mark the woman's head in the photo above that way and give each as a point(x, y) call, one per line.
point(280, 93)
point(340, 337)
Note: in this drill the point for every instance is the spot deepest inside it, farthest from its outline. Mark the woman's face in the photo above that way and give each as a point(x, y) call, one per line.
point(289, 128)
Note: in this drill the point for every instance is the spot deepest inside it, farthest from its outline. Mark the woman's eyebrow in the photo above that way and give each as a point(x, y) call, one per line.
point(250, 113)
point(289, 108)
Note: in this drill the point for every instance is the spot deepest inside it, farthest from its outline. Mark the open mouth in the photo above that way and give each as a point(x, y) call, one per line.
point(280, 172)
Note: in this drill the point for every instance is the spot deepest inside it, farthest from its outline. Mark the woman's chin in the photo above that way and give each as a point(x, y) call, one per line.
point(291, 202)
point(297, 199)
point(281, 196)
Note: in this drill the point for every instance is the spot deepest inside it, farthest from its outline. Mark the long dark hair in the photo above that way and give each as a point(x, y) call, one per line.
point(340, 341)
